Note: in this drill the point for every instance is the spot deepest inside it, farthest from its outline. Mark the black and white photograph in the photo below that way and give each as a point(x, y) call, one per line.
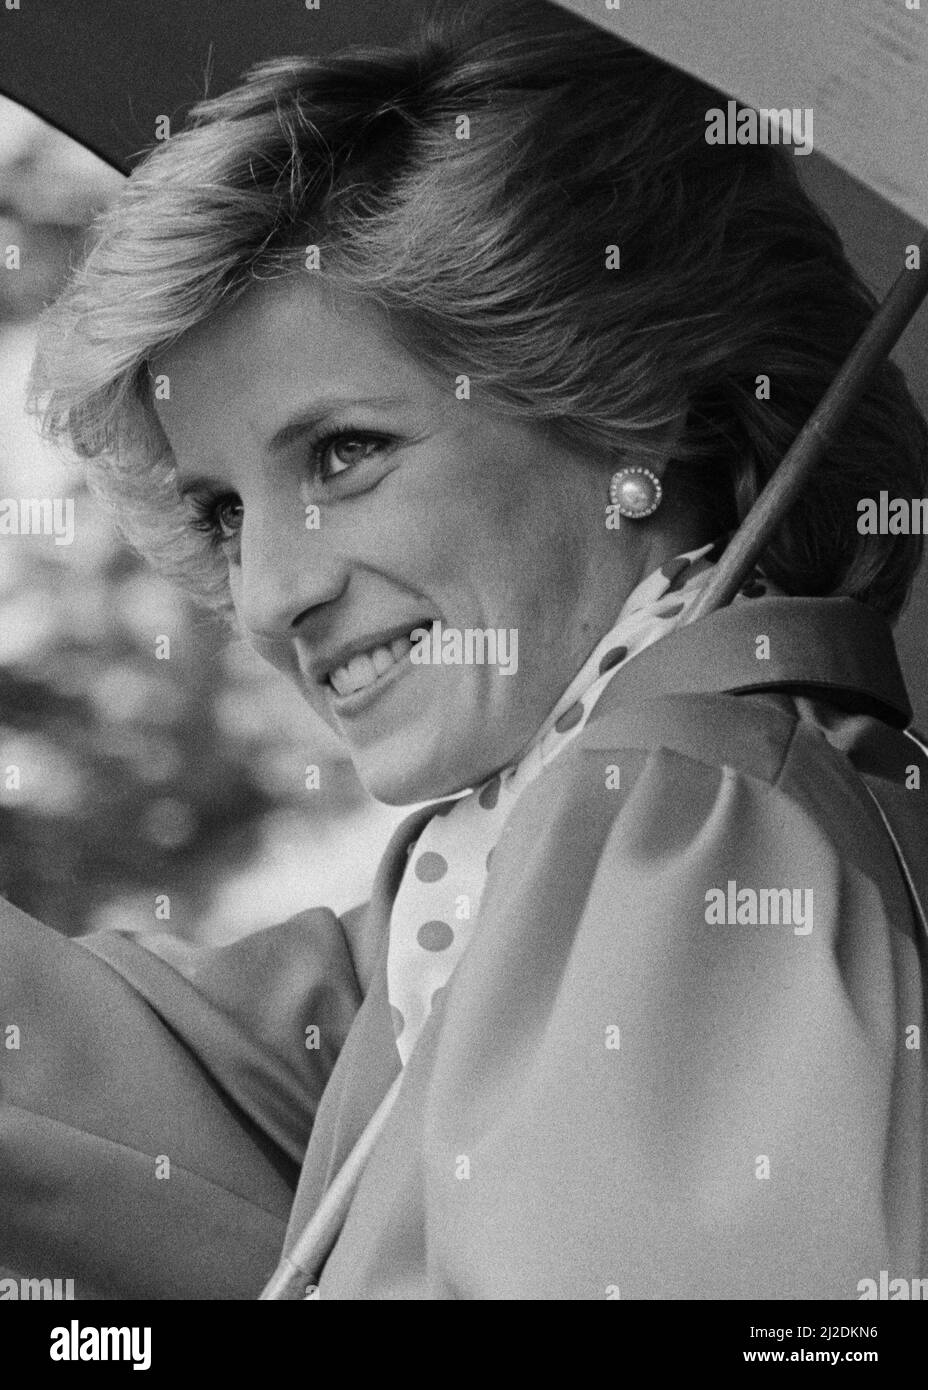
point(463, 652)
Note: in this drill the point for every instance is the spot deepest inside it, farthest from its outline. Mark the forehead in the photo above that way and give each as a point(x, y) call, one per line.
point(281, 345)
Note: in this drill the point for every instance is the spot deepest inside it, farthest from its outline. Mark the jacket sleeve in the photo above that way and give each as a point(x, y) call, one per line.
point(677, 1101)
point(156, 1100)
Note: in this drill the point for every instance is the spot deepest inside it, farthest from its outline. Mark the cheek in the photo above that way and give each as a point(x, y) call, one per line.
point(527, 518)
point(277, 654)
point(534, 568)
point(284, 659)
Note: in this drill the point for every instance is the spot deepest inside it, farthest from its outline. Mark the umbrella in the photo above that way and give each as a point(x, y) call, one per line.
point(104, 73)
point(861, 65)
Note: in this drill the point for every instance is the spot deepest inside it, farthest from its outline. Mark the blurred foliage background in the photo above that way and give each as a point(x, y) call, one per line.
point(125, 778)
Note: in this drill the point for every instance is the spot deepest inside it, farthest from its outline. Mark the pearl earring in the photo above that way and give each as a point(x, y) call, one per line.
point(637, 492)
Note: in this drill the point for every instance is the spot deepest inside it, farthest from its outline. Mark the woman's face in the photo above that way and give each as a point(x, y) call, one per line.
point(357, 498)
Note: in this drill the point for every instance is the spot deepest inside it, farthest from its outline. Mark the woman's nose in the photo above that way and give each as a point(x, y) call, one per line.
point(287, 568)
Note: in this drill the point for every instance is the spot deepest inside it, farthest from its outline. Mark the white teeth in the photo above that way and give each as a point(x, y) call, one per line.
point(340, 682)
point(363, 670)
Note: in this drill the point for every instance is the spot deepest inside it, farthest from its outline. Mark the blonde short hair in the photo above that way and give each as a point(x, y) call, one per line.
point(489, 256)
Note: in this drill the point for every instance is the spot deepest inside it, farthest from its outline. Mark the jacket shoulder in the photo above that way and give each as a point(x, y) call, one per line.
point(666, 767)
point(752, 733)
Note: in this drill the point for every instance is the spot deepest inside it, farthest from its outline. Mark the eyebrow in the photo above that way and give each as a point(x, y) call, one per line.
point(298, 425)
point(313, 415)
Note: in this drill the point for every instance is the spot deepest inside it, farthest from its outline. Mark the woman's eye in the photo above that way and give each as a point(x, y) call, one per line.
point(220, 518)
point(228, 513)
point(336, 453)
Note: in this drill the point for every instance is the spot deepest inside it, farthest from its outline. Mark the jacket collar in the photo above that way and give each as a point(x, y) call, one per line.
point(833, 649)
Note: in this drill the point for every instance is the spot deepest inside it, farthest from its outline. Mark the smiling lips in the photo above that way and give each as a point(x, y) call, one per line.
point(367, 667)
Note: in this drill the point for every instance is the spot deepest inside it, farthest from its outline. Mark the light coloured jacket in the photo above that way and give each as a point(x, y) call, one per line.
point(618, 1095)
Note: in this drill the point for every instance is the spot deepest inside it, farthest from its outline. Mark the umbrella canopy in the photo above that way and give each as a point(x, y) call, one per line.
point(861, 68)
point(103, 72)
point(860, 65)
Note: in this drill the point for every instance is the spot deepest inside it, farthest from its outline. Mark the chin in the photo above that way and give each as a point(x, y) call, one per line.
point(401, 786)
point(409, 782)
